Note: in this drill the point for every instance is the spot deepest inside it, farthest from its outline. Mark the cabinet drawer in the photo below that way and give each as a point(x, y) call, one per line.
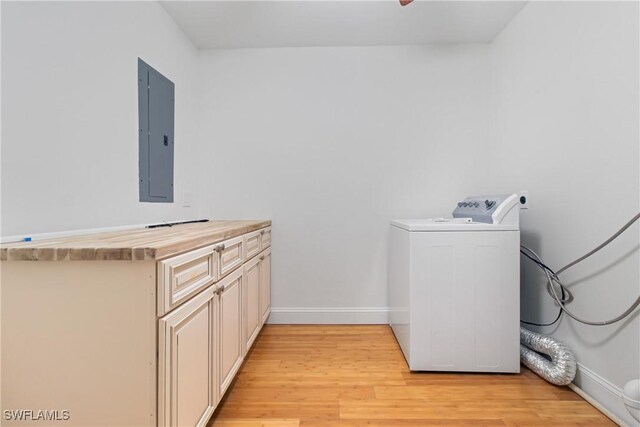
point(251, 244)
point(230, 253)
point(183, 276)
point(266, 238)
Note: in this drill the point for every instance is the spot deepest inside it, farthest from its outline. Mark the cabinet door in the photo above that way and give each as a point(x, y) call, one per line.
point(251, 301)
point(187, 362)
point(265, 285)
point(231, 343)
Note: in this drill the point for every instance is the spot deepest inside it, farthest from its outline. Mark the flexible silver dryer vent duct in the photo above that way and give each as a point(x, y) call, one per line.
point(560, 370)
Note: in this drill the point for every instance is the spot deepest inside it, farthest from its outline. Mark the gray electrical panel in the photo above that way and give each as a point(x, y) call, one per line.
point(156, 100)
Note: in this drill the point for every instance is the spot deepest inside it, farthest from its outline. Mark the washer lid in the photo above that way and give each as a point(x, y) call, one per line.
point(450, 224)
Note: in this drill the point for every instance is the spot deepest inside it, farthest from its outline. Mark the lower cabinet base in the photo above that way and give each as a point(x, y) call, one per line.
point(79, 337)
point(83, 341)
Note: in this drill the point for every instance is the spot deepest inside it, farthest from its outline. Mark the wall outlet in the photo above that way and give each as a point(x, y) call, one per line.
point(186, 199)
point(524, 200)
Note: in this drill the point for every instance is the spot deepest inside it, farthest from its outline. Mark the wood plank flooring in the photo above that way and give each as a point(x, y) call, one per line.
point(351, 375)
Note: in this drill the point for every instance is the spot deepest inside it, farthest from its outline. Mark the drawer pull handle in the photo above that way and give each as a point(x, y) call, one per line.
point(220, 289)
point(261, 231)
point(262, 258)
point(219, 248)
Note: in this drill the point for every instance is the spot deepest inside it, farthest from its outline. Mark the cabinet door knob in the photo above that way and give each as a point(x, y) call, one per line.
point(220, 289)
point(219, 248)
point(262, 258)
point(261, 231)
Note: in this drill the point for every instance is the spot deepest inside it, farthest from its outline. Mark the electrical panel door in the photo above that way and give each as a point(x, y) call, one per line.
point(156, 100)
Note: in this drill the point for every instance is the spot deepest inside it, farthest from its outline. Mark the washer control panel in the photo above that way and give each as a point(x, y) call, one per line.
point(486, 209)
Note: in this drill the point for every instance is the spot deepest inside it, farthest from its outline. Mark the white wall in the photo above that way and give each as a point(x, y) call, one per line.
point(69, 113)
point(566, 129)
point(332, 143)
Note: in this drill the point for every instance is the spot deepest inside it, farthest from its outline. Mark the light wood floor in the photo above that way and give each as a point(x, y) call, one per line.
point(356, 376)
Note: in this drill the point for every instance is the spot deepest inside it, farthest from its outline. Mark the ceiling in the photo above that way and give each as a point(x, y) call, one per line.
point(302, 23)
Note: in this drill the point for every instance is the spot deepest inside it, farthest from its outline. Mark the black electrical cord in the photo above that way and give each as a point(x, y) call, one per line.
point(551, 275)
point(537, 262)
point(544, 324)
point(542, 265)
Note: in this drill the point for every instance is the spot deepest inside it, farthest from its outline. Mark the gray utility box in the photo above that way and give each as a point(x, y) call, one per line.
point(156, 104)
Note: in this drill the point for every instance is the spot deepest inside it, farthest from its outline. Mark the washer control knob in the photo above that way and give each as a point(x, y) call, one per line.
point(489, 203)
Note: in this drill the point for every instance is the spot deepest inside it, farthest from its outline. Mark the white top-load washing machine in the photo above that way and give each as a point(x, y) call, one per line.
point(454, 287)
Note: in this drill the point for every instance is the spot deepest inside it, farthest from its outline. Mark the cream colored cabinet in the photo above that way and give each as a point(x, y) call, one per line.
point(155, 340)
point(252, 244)
point(231, 255)
point(230, 331)
point(265, 284)
point(183, 276)
point(187, 360)
point(236, 302)
point(257, 294)
point(265, 240)
point(251, 285)
point(256, 241)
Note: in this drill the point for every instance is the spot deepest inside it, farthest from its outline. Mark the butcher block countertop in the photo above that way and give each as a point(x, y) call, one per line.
point(129, 245)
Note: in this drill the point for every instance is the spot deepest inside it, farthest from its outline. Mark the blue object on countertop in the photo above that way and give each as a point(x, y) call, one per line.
point(26, 239)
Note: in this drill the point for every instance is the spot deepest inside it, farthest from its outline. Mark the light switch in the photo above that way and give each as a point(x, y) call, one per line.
point(186, 199)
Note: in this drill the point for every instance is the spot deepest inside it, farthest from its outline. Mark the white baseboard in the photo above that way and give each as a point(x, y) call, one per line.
point(328, 316)
point(603, 395)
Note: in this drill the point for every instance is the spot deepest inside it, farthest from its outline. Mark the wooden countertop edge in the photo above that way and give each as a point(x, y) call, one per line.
point(139, 253)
